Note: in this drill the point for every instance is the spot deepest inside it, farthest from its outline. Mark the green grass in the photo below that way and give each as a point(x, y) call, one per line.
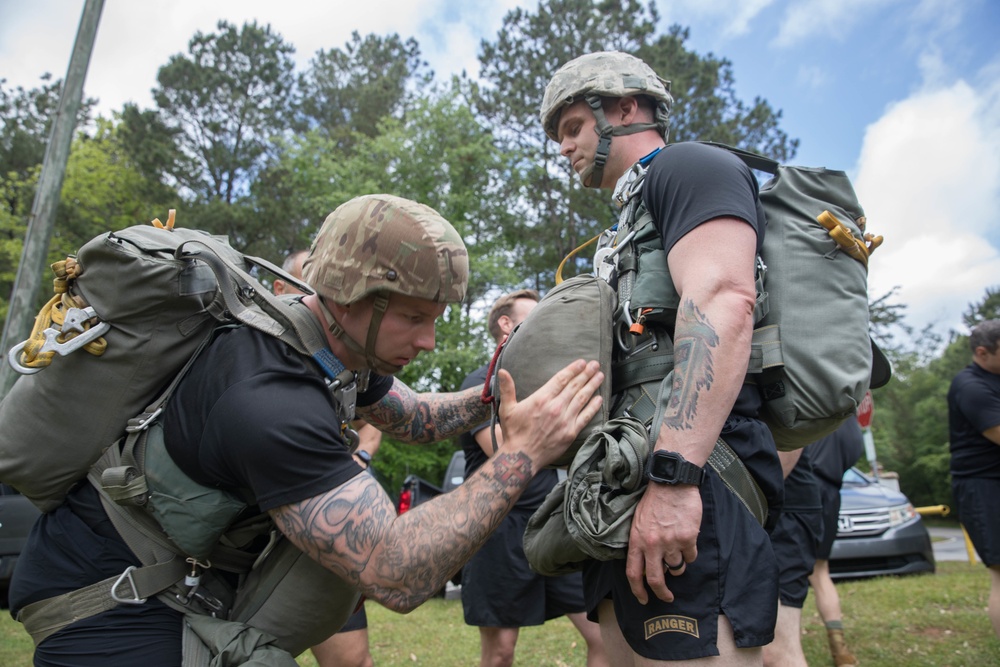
point(921, 621)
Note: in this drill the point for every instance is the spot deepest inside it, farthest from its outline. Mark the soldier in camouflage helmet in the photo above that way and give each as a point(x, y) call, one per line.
point(257, 420)
point(378, 246)
point(700, 578)
point(607, 74)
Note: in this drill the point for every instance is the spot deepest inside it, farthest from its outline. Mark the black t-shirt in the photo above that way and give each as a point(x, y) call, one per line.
point(251, 414)
point(688, 184)
point(475, 457)
point(834, 454)
point(255, 414)
point(973, 408)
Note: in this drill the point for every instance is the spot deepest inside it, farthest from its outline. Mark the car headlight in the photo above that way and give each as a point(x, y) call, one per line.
point(900, 514)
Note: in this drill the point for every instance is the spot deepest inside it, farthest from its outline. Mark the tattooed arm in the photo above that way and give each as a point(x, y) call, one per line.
point(427, 417)
point(712, 269)
point(401, 561)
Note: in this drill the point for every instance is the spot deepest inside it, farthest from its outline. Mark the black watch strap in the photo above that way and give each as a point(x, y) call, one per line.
point(672, 468)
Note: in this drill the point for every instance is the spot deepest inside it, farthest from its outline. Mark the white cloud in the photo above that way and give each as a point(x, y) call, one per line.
point(734, 16)
point(824, 19)
point(134, 39)
point(929, 179)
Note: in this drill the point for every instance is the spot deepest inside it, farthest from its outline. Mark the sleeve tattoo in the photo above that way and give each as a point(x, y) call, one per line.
point(427, 417)
point(693, 367)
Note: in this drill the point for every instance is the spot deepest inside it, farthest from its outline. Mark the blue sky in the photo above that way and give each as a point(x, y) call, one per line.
point(904, 95)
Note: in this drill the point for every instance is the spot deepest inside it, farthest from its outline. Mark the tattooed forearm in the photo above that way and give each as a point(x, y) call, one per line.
point(693, 366)
point(427, 417)
point(437, 538)
point(402, 561)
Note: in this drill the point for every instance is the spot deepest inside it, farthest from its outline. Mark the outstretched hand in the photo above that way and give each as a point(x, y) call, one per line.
point(546, 422)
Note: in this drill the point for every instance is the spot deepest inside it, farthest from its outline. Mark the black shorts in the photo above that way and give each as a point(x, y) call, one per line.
point(977, 499)
point(357, 621)
point(795, 540)
point(735, 575)
point(500, 590)
point(830, 495)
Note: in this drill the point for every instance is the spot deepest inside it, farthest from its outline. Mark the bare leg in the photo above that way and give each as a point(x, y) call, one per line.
point(786, 649)
point(622, 654)
point(828, 606)
point(496, 646)
point(344, 649)
point(827, 598)
point(994, 604)
point(591, 633)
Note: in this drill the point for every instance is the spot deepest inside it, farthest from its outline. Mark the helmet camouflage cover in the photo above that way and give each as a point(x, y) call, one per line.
point(604, 74)
point(383, 243)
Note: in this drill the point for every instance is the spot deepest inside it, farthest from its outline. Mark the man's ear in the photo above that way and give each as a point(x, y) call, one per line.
point(628, 107)
point(279, 286)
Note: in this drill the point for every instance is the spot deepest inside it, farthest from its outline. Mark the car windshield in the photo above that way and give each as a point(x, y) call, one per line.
point(855, 477)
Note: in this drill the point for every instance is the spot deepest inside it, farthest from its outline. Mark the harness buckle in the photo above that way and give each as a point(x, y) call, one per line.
point(127, 576)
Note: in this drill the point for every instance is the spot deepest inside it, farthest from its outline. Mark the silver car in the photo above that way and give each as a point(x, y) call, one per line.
point(878, 532)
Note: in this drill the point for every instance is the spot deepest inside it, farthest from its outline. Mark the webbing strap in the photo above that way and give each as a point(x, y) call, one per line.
point(46, 617)
point(648, 368)
point(737, 478)
point(723, 460)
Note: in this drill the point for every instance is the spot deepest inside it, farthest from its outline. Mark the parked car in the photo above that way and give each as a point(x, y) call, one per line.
point(17, 515)
point(416, 489)
point(878, 532)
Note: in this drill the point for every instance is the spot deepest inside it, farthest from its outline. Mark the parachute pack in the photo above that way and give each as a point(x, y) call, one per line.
point(130, 310)
point(812, 357)
point(817, 358)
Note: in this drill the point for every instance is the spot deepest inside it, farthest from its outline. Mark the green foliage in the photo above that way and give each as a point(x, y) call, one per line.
point(706, 107)
point(26, 121)
point(554, 213)
point(228, 98)
point(350, 91)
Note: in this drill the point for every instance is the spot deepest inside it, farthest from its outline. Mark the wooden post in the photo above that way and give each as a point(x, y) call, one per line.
point(43, 211)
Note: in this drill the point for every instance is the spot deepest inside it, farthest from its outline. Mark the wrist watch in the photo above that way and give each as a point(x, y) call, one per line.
point(364, 456)
point(672, 468)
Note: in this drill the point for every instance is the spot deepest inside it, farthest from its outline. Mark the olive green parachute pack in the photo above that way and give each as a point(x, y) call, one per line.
point(131, 311)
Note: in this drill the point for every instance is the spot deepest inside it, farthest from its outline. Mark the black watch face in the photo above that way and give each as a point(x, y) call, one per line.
point(665, 467)
point(671, 468)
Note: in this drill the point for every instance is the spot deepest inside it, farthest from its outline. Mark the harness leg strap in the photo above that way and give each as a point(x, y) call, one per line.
point(46, 617)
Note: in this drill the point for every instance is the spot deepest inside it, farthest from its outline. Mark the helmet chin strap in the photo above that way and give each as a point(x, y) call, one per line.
point(593, 174)
point(376, 364)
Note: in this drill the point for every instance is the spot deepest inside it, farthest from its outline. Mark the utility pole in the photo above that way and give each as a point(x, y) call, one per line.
point(43, 210)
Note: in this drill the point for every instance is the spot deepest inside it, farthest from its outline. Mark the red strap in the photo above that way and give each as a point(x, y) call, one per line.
point(487, 397)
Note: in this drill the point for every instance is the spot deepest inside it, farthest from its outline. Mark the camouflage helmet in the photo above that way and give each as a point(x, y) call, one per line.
point(604, 74)
point(382, 243)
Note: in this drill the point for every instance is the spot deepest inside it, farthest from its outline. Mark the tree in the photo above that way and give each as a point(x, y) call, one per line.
point(227, 99)
point(437, 152)
point(706, 107)
point(25, 124)
point(349, 91)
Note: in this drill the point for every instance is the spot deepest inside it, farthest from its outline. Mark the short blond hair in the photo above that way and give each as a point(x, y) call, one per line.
point(504, 305)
